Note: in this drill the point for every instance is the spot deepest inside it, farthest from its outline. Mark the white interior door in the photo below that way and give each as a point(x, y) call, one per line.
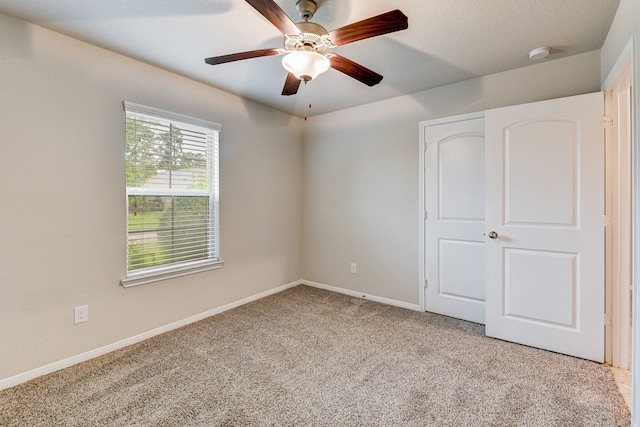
point(454, 199)
point(545, 202)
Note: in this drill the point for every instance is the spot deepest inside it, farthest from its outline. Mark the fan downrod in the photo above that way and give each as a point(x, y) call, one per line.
point(307, 9)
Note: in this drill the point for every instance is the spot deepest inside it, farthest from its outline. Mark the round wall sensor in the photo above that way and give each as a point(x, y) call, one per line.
point(539, 53)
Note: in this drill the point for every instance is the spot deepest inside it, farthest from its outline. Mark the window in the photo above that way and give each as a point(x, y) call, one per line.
point(172, 195)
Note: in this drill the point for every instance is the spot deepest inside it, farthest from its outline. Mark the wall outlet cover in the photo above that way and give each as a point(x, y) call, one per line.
point(81, 314)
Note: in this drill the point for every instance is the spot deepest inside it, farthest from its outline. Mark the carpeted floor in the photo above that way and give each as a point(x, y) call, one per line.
point(308, 357)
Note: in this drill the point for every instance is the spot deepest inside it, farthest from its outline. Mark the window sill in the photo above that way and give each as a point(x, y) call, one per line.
point(136, 279)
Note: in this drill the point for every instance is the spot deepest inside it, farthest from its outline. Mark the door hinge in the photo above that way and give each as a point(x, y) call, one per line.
point(426, 283)
point(607, 320)
point(607, 221)
point(607, 122)
point(426, 215)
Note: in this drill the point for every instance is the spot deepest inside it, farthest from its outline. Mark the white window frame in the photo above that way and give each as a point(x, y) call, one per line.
point(153, 274)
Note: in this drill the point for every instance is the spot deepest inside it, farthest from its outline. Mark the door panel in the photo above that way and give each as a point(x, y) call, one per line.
point(456, 282)
point(454, 248)
point(545, 199)
point(540, 166)
point(540, 286)
point(460, 185)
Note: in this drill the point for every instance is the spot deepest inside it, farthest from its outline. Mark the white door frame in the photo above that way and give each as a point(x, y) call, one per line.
point(422, 207)
point(629, 52)
point(618, 213)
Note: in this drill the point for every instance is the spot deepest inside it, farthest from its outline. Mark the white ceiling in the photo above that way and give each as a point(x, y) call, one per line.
point(447, 40)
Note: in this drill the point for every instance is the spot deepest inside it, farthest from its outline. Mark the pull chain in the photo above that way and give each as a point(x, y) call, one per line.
point(307, 102)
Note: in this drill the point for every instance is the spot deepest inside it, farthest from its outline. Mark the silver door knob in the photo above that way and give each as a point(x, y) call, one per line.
point(493, 235)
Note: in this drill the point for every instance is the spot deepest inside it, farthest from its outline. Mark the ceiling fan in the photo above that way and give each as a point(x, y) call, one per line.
point(307, 44)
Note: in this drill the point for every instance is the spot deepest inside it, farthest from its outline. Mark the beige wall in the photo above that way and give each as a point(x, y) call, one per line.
point(361, 174)
point(626, 25)
point(62, 197)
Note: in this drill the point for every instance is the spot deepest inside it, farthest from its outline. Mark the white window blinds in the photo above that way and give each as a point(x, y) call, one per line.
point(172, 194)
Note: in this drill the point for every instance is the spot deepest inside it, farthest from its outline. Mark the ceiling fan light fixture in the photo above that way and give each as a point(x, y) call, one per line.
point(306, 65)
point(305, 43)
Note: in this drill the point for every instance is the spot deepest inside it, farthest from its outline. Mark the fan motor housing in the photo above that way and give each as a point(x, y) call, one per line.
point(310, 39)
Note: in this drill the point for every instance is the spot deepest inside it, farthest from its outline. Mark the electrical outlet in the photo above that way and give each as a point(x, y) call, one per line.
point(354, 268)
point(81, 314)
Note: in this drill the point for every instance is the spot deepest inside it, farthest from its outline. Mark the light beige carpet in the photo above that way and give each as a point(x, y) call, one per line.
point(308, 357)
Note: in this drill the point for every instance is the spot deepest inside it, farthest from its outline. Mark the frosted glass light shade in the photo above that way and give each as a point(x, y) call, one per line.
point(306, 65)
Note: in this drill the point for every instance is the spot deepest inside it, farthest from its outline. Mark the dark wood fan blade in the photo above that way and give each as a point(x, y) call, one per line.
point(357, 71)
point(214, 60)
point(291, 85)
point(270, 10)
point(375, 26)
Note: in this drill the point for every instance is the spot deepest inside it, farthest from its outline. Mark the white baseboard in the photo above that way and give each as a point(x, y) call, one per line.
point(83, 357)
point(415, 307)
